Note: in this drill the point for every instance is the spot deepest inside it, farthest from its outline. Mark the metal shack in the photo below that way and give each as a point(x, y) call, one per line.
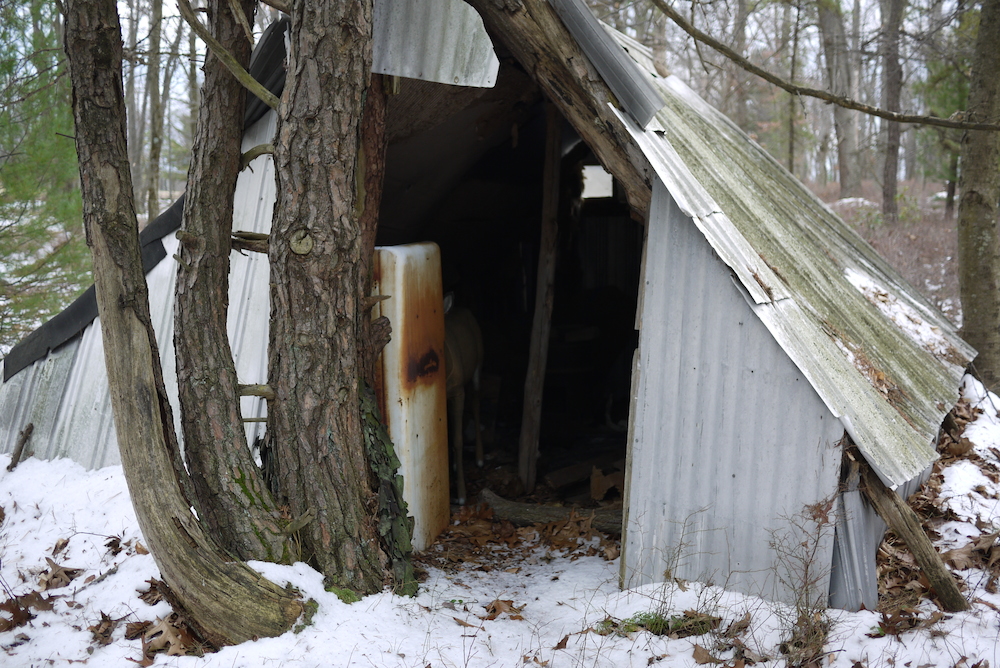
point(767, 329)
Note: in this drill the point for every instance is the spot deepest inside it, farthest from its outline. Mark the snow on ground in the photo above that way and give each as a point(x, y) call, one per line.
point(555, 602)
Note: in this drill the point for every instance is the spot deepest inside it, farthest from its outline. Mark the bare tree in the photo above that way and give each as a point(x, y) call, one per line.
point(839, 79)
point(979, 185)
point(892, 86)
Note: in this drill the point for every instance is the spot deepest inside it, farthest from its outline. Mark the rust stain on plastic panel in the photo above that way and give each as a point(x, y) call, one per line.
point(412, 380)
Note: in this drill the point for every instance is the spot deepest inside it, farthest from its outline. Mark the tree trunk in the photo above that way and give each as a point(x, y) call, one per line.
point(838, 71)
point(979, 187)
point(235, 503)
point(155, 110)
point(203, 580)
point(738, 76)
point(892, 86)
point(192, 86)
point(318, 299)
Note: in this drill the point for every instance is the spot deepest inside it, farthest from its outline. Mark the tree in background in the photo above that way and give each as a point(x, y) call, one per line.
point(979, 204)
point(44, 263)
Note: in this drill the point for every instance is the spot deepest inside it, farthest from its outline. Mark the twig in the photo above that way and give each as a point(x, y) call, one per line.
point(824, 95)
point(22, 438)
point(241, 18)
point(251, 84)
point(255, 152)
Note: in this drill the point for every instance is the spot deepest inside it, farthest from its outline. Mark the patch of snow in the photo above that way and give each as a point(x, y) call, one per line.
point(907, 318)
point(562, 599)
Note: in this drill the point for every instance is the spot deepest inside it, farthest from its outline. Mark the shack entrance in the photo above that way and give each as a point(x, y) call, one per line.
point(465, 169)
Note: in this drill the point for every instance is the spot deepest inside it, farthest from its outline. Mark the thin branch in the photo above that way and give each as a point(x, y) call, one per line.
point(255, 152)
point(824, 95)
point(251, 84)
point(241, 18)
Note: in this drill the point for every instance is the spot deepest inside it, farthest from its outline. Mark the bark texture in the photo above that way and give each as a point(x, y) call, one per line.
point(318, 297)
point(203, 580)
point(155, 109)
point(235, 503)
point(892, 87)
point(979, 185)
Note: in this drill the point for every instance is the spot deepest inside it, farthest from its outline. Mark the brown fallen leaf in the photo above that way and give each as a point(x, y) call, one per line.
point(135, 629)
point(57, 576)
point(465, 623)
point(499, 607)
point(702, 656)
point(164, 635)
point(562, 643)
point(60, 546)
point(103, 629)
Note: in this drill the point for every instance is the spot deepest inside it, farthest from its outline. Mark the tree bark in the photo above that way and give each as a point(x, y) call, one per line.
point(979, 185)
point(838, 70)
point(892, 87)
point(318, 294)
point(155, 110)
point(203, 580)
point(235, 503)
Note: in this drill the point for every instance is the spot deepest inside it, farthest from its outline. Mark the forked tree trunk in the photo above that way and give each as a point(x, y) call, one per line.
point(230, 602)
point(235, 503)
point(318, 302)
point(979, 185)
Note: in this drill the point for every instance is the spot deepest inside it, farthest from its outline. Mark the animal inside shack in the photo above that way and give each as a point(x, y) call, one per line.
point(767, 330)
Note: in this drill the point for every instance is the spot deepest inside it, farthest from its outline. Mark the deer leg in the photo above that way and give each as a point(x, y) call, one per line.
point(476, 394)
point(456, 406)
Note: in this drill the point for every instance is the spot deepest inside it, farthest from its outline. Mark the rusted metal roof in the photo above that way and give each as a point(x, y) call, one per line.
point(885, 361)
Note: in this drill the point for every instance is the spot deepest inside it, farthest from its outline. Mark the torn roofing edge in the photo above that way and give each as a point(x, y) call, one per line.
point(896, 452)
point(267, 65)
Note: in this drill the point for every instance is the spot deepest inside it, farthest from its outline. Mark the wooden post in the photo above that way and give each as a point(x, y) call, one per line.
point(539, 351)
point(901, 519)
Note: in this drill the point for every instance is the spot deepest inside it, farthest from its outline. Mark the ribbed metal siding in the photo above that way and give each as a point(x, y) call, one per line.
point(65, 395)
point(433, 40)
point(728, 438)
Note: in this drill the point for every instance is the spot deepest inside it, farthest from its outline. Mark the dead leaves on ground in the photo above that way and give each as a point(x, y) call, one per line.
point(901, 582)
point(171, 636)
point(57, 576)
point(476, 536)
point(502, 607)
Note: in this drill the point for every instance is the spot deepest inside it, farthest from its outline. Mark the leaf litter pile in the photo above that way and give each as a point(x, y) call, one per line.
point(77, 586)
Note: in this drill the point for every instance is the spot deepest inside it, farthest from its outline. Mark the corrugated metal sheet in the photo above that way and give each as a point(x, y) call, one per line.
point(632, 88)
point(413, 380)
point(795, 257)
point(433, 40)
point(66, 394)
point(728, 440)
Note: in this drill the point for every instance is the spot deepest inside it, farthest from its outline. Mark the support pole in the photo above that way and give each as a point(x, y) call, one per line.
point(541, 325)
point(902, 520)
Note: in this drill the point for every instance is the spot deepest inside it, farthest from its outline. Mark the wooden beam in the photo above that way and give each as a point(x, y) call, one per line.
point(533, 33)
point(607, 520)
point(538, 354)
point(902, 520)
